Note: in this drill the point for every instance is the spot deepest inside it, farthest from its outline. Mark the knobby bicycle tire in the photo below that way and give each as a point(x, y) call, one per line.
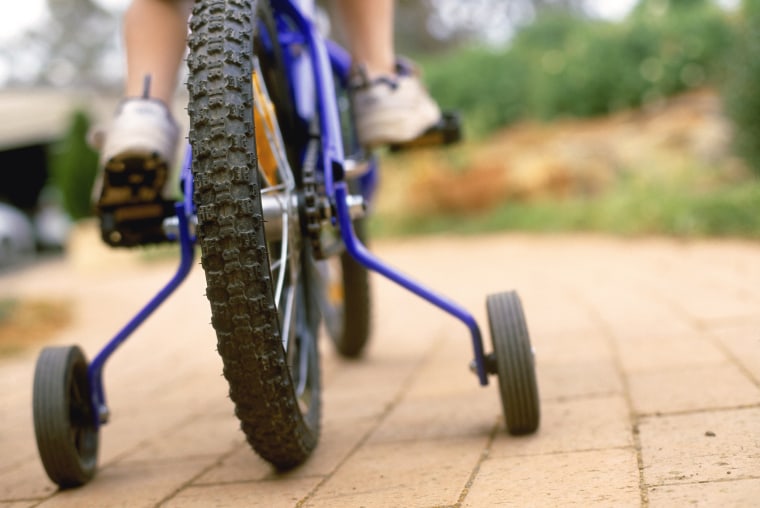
point(231, 234)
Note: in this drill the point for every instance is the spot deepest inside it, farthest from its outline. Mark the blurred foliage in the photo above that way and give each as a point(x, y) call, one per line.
point(74, 44)
point(742, 91)
point(632, 208)
point(569, 65)
point(73, 165)
point(488, 86)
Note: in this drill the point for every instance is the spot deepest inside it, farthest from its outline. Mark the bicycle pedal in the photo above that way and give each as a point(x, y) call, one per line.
point(135, 225)
point(447, 131)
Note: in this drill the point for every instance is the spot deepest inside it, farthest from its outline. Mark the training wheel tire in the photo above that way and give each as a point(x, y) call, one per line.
point(64, 424)
point(515, 363)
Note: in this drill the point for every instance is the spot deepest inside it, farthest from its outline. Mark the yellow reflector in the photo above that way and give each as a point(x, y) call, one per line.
point(264, 119)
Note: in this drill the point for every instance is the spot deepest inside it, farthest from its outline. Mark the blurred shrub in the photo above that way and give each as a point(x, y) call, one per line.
point(563, 65)
point(488, 86)
point(742, 91)
point(73, 166)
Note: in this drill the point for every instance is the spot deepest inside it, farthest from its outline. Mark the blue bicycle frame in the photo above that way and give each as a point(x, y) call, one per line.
point(313, 87)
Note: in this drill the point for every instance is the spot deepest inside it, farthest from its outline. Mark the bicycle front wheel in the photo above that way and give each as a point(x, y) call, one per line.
point(257, 284)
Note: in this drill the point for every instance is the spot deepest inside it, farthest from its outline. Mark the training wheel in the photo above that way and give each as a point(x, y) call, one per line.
point(64, 424)
point(514, 362)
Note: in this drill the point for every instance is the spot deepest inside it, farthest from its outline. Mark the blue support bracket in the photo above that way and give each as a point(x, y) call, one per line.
point(366, 258)
point(95, 369)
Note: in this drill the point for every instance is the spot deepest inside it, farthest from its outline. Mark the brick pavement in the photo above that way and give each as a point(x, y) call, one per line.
point(648, 358)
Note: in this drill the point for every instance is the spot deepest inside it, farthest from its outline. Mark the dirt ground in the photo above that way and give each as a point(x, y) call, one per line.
point(28, 323)
point(571, 157)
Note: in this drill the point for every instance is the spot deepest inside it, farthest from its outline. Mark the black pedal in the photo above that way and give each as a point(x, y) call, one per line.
point(137, 225)
point(447, 131)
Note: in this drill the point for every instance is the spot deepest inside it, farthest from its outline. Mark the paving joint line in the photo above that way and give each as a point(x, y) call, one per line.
point(39, 500)
point(482, 458)
point(123, 456)
point(687, 412)
point(573, 398)
point(25, 500)
point(269, 478)
point(19, 463)
point(704, 327)
point(705, 482)
point(189, 483)
point(570, 452)
point(405, 385)
point(634, 418)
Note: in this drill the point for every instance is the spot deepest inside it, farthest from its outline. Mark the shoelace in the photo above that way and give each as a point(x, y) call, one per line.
point(359, 78)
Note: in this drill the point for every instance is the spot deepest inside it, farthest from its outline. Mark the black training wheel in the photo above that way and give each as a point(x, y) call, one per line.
point(514, 362)
point(64, 424)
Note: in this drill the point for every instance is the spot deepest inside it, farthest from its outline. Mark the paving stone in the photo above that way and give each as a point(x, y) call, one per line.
point(611, 321)
point(444, 417)
point(691, 389)
point(410, 474)
point(365, 390)
point(701, 447)
point(733, 493)
point(446, 371)
point(130, 485)
point(742, 340)
point(25, 480)
point(582, 378)
point(201, 435)
point(717, 299)
point(661, 352)
point(629, 311)
point(572, 425)
point(571, 347)
point(240, 465)
point(265, 494)
point(442, 401)
point(128, 431)
point(709, 282)
point(556, 313)
point(592, 478)
point(338, 440)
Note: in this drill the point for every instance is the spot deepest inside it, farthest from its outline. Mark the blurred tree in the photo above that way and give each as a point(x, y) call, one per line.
point(69, 49)
point(455, 21)
point(78, 45)
point(73, 165)
point(412, 31)
point(662, 7)
point(750, 7)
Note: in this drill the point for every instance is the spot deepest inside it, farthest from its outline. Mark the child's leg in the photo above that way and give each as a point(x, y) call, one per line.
point(390, 102)
point(368, 28)
point(155, 32)
point(136, 190)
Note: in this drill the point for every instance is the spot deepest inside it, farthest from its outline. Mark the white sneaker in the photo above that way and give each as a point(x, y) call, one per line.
point(392, 109)
point(133, 192)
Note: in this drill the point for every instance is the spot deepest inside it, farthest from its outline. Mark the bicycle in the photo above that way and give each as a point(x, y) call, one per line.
point(276, 190)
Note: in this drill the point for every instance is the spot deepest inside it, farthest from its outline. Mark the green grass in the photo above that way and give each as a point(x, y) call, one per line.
point(630, 209)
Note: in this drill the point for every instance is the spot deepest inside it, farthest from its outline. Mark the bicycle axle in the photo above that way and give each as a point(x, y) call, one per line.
point(274, 208)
